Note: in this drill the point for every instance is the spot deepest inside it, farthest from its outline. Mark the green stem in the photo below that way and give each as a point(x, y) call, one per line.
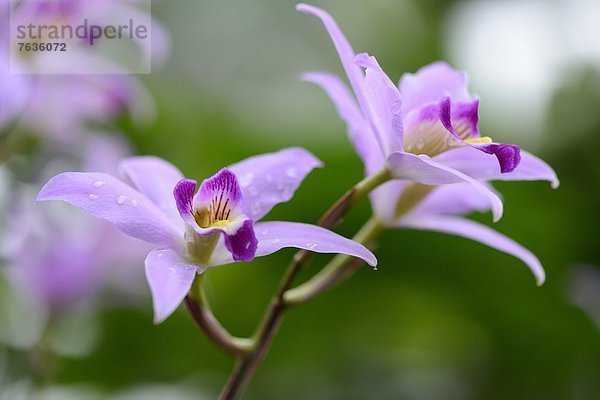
point(199, 309)
point(340, 267)
point(247, 365)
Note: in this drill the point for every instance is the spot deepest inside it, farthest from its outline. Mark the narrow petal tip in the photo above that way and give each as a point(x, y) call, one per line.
point(308, 9)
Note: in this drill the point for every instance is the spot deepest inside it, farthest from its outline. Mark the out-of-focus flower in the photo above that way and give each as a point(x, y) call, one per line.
point(216, 227)
point(57, 257)
point(426, 132)
point(59, 106)
point(584, 290)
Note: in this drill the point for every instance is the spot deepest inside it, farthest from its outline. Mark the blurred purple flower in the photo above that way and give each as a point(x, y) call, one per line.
point(426, 132)
point(216, 227)
point(59, 106)
point(57, 258)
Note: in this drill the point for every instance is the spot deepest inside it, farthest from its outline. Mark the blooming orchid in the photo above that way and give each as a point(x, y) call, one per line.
point(216, 226)
point(425, 131)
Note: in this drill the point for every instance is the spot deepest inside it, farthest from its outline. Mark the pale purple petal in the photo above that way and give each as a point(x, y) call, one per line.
point(385, 197)
point(359, 130)
point(155, 178)
point(455, 199)
point(270, 179)
point(170, 278)
point(383, 100)
point(480, 233)
point(242, 244)
point(344, 49)
point(432, 83)
point(482, 167)
point(273, 236)
point(423, 169)
point(106, 197)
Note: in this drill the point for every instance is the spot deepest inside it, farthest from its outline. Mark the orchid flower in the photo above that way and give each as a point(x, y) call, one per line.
point(193, 232)
point(425, 131)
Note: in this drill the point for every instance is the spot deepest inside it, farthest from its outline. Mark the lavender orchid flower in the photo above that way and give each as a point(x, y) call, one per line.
point(426, 132)
point(407, 134)
point(216, 226)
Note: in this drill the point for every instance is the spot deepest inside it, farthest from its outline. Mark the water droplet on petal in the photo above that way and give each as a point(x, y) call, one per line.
point(291, 172)
point(98, 184)
point(134, 203)
point(311, 246)
point(121, 199)
point(246, 179)
point(161, 254)
point(255, 208)
point(396, 106)
point(93, 196)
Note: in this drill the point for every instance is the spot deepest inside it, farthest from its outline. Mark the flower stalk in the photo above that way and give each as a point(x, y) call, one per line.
point(248, 363)
point(339, 268)
point(197, 305)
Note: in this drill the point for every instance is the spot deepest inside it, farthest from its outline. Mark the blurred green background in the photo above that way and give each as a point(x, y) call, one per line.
point(443, 318)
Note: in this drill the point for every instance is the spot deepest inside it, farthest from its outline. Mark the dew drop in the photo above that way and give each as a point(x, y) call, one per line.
point(121, 199)
point(246, 179)
point(134, 203)
point(255, 208)
point(291, 172)
point(161, 254)
point(93, 196)
point(98, 184)
point(311, 246)
point(396, 106)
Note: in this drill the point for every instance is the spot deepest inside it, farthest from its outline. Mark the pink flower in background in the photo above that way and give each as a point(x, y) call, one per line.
point(60, 102)
point(425, 132)
point(57, 258)
point(194, 232)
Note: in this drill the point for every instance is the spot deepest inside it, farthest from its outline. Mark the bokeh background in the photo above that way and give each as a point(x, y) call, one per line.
point(443, 317)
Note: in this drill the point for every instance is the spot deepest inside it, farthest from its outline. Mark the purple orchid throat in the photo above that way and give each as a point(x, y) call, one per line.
point(194, 231)
point(508, 155)
point(218, 207)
